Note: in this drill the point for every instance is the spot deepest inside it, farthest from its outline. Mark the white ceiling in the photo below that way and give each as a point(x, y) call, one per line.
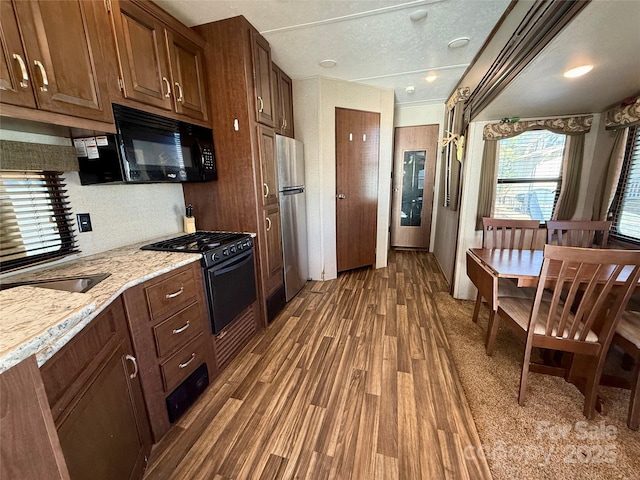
point(375, 42)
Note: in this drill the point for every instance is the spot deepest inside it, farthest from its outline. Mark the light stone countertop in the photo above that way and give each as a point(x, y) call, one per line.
point(40, 321)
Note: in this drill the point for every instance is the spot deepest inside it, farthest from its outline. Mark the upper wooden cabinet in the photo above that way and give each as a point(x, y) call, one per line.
point(283, 101)
point(262, 79)
point(158, 66)
point(60, 69)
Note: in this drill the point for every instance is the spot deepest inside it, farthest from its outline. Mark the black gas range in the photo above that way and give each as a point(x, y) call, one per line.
point(227, 268)
point(215, 247)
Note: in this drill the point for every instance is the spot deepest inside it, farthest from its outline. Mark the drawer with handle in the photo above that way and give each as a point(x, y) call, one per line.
point(178, 329)
point(180, 365)
point(171, 295)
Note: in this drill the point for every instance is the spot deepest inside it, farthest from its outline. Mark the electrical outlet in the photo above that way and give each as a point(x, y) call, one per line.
point(84, 222)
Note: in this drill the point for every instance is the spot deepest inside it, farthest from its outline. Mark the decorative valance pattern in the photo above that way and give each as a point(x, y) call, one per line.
point(37, 156)
point(460, 94)
point(566, 125)
point(624, 116)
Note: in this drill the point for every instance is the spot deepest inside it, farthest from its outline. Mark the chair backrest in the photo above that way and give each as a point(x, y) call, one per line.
point(509, 234)
point(586, 284)
point(578, 233)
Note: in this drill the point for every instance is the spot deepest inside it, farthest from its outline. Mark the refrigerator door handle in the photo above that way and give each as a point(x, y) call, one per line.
point(293, 191)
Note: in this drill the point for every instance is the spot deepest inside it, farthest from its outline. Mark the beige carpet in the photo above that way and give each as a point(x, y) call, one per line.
point(548, 437)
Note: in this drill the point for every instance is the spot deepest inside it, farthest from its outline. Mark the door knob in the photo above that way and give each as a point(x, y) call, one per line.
point(341, 196)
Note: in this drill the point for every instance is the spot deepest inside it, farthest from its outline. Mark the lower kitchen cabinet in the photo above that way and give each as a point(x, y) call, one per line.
point(94, 390)
point(29, 446)
point(171, 334)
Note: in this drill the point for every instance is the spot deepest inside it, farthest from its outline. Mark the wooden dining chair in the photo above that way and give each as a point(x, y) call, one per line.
point(627, 337)
point(507, 234)
point(584, 323)
point(578, 233)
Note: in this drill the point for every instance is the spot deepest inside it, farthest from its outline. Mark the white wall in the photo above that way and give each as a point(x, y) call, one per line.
point(120, 214)
point(427, 115)
point(315, 100)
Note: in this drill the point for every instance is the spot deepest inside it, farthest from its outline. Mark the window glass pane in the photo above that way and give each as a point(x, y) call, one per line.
point(412, 188)
point(529, 175)
point(626, 214)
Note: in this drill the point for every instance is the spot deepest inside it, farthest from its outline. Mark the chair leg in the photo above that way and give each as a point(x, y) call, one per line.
point(492, 331)
point(524, 377)
point(591, 388)
point(634, 402)
point(476, 310)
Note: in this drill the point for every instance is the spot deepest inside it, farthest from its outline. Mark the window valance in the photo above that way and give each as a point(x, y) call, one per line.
point(623, 116)
point(565, 125)
point(458, 95)
point(38, 156)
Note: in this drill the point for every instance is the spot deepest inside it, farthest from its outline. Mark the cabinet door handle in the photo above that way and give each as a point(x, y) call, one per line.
point(168, 85)
point(23, 69)
point(266, 190)
point(183, 365)
point(176, 331)
point(341, 196)
point(180, 93)
point(268, 224)
point(43, 72)
point(261, 107)
point(135, 365)
point(175, 294)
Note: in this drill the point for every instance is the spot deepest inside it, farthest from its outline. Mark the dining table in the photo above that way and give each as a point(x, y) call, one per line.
point(523, 267)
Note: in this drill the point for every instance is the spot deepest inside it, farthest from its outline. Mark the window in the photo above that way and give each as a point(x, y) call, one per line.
point(625, 208)
point(35, 219)
point(529, 175)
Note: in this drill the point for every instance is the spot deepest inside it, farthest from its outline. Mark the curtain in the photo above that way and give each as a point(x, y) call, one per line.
point(487, 181)
point(571, 172)
point(606, 189)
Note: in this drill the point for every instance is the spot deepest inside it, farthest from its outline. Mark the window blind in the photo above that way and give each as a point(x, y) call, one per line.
point(35, 219)
point(625, 212)
point(529, 175)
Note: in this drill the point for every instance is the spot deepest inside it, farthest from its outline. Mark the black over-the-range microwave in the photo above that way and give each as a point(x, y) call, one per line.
point(147, 148)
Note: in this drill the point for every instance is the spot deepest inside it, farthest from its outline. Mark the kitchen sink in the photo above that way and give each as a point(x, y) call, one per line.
point(80, 283)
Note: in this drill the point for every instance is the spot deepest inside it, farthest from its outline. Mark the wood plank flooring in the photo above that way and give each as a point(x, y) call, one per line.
point(353, 380)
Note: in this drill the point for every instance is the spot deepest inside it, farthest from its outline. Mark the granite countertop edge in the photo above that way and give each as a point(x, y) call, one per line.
point(82, 307)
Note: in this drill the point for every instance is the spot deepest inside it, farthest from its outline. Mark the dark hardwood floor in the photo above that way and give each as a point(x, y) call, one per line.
point(353, 380)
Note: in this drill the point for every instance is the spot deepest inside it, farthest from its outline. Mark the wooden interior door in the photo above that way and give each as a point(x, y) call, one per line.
point(414, 168)
point(357, 151)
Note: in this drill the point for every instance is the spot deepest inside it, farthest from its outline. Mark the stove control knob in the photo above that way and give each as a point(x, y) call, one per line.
point(225, 252)
point(232, 249)
point(216, 257)
point(249, 243)
point(240, 246)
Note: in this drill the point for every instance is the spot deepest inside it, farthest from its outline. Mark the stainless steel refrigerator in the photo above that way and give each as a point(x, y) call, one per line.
point(293, 213)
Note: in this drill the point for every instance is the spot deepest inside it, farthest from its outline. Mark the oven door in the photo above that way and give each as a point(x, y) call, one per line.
point(231, 288)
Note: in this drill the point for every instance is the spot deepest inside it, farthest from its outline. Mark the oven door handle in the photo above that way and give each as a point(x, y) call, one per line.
point(233, 263)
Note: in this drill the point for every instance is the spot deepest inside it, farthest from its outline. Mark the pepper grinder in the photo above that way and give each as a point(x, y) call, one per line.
point(189, 220)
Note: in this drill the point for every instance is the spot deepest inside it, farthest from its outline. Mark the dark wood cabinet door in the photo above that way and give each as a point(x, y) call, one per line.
point(278, 118)
point(273, 248)
point(268, 170)
point(102, 437)
point(187, 73)
point(64, 57)
point(142, 55)
point(285, 87)
point(262, 79)
point(15, 82)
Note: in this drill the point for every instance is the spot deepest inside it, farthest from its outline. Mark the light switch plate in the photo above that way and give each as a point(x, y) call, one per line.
point(84, 222)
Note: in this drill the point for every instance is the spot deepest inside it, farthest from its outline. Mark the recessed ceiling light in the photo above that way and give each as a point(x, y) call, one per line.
point(431, 78)
point(459, 42)
point(410, 89)
point(418, 15)
point(328, 63)
point(578, 71)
